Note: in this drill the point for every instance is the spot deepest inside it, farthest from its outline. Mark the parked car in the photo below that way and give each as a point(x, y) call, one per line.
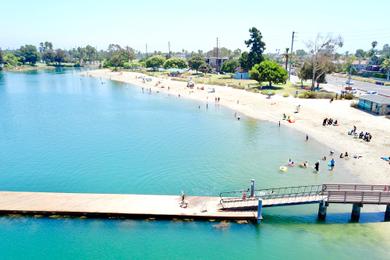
point(349, 82)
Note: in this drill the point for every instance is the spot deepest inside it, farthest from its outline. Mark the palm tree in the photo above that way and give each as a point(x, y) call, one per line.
point(386, 66)
point(374, 44)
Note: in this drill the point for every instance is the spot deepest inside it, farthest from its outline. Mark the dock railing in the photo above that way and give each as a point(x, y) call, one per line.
point(237, 199)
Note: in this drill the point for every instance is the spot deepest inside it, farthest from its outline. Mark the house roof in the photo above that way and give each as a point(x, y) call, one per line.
point(362, 62)
point(379, 99)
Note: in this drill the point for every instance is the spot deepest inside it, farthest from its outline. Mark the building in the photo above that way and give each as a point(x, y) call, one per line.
point(376, 104)
point(360, 65)
point(215, 62)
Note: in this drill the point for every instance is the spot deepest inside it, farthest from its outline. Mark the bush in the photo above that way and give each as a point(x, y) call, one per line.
point(286, 95)
point(268, 92)
point(348, 96)
point(316, 95)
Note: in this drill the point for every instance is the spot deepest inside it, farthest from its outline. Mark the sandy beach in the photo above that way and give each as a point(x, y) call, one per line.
point(369, 168)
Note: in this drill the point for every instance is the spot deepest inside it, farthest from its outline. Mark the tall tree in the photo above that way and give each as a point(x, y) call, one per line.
point(360, 54)
point(244, 61)
point(28, 54)
point(155, 62)
point(196, 61)
point(175, 63)
point(59, 56)
point(257, 47)
point(322, 51)
point(374, 44)
point(230, 66)
point(1, 58)
point(117, 56)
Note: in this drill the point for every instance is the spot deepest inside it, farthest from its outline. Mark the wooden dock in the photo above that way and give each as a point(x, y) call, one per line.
point(117, 205)
point(236, 205)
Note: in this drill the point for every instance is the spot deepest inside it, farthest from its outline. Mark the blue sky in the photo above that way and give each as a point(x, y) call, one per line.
point(190, 24)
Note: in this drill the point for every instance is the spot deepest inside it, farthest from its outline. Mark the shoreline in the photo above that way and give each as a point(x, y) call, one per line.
point(370, 168)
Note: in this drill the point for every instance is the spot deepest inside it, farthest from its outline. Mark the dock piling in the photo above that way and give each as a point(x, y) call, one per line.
point(355, 215)
point(252, 188)
point(322, 210)
point(259, 210)
point(387, 213)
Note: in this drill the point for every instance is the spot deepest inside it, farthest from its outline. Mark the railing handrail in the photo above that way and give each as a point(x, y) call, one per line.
point(333, 189)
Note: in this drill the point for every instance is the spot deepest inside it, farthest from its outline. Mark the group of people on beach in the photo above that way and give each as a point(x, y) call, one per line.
point(366, 136)
point(330, 121)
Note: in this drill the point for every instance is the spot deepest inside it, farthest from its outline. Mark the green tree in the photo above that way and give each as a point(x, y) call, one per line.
point(257, 47)
point(47, 52)
point(268, 71)
point(59, 56)
point(176, 63)
point(28, 54)
point(305, 72)
point(386, 67)
point(91, 53)
point(133, 65)
point(244, 61)
point(196, 61)
point(116, 55)
point(205, 68)
point(360, 54)
point(155, 62)
point(10, 60)
point(230, 66)
point(1, 58)
point(374, 44)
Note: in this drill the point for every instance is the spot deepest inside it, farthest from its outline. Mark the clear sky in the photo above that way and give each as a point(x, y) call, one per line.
point(191, 24)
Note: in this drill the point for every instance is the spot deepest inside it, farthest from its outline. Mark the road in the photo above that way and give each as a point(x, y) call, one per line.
point(337, 84)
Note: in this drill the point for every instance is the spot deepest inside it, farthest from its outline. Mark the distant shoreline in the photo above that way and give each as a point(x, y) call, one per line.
point(370, 168)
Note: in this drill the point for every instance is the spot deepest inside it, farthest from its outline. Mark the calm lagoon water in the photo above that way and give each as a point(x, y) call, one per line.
point(64, 133)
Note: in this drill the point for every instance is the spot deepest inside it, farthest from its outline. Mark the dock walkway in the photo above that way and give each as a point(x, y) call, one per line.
point(119, 205)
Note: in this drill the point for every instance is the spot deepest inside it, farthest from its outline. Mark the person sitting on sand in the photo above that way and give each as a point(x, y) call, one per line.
point(325, 122)
point(346, 155)
point(341, 155)
point(335, 123)
point(324, 158)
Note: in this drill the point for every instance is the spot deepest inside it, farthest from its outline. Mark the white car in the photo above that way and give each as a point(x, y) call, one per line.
point(349, 82)
point(372, 92)
point(211, 90)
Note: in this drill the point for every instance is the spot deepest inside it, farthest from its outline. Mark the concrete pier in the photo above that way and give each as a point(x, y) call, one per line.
point(323, 206)
point(355, 215)
point(117, 205)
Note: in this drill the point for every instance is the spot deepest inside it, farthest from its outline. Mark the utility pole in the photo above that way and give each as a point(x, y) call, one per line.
point(291, 54)
point(169, 49)
point(286, 54)
point(216, 61)
point(146, 50)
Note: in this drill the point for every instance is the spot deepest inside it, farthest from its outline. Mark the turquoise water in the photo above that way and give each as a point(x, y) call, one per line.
point(64, 133)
